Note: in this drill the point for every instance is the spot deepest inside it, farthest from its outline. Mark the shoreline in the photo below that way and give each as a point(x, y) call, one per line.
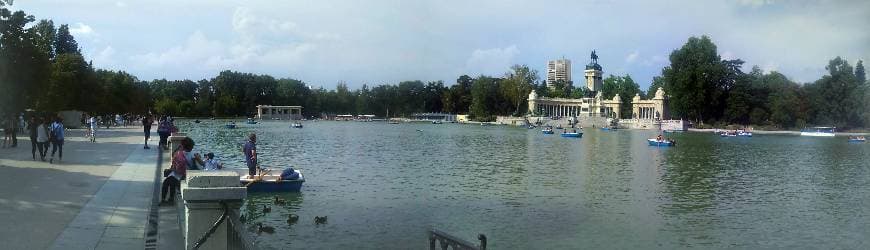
point(777, 132)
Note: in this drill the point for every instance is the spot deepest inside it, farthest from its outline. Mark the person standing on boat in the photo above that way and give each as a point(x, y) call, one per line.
point(250, 150)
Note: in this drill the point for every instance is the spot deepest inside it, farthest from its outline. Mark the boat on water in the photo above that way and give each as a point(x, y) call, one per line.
point(436, 122)
point(858, 139)
point(296, 125)
point(661, 143)
point(672, 131)
point(196, 121)
point(271, 182)
point(819, 131)
point(251, 121)
point(547, 131)
point(744, 133)
point(572, 134)
point(231, 125)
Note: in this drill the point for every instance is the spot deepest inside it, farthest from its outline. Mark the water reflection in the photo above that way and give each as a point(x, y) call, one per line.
point(385, 184)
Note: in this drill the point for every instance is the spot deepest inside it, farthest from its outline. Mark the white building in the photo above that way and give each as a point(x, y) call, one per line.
point(558, 70)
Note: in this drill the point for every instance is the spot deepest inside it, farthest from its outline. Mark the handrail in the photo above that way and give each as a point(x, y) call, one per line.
point(448, 240)
point(211, 230)
point(239, 232)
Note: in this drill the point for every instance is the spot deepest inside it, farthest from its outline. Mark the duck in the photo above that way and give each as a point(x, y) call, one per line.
point(264, 229)
point(319, 220)
point(292, 219)
point(279, 201)
point(267, 209)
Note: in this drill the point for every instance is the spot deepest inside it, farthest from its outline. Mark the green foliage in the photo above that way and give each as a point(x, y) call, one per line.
point(625, 87)
point(65, 42)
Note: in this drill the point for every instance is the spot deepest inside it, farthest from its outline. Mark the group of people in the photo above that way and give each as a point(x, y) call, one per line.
point(43, 131)
point(184, 159)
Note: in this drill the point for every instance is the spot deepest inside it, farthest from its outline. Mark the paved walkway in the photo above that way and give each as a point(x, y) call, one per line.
point(117, 215)
point(97, 198)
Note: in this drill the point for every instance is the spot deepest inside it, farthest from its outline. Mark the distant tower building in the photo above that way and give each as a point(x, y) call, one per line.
point(558, 70)
point(593, 74)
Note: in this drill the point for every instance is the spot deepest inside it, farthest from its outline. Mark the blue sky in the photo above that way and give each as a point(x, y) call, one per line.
point(376, 42)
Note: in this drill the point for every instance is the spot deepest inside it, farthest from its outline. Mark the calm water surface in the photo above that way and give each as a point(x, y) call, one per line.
point(382, 185)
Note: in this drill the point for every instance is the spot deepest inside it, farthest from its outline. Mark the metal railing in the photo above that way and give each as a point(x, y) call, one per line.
point(237, 238)
point(446, 240)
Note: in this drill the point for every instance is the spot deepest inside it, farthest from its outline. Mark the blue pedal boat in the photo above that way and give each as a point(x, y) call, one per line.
point(271, 183)
point(662, 143)
point(547, 131)
point(570, 134)
point(857, 140)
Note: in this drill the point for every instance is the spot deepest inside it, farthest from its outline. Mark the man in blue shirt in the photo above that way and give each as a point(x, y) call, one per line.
point(251, 155)
point(56, 139)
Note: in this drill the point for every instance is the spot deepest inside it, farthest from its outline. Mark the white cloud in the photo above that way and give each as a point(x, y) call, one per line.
point(257, 43)
point(493, 61)
point(81, 29)
point(632, 57)
point(105, 56)
point(755, 3)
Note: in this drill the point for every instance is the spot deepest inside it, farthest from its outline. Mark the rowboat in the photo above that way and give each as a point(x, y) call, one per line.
point(744, 133)
point(251, 121)
point(857, 139)
point(296, 125)
point(819, 131)
point(547, 131)
point(661, 143)
point(572, 134)
point(230, 125)
point(271, 182)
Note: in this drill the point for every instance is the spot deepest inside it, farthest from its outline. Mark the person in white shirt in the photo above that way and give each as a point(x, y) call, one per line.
point(211, 163)
point(42, 138)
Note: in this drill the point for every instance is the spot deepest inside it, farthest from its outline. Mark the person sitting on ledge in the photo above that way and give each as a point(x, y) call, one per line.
point(211, 163)
point(289, 174)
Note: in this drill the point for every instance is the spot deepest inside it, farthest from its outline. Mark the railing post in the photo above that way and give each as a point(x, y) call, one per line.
point(175, 140)
point(202, 194)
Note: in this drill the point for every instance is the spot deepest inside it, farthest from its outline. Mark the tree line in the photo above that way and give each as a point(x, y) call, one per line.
point(41, 68)
point(707, 89)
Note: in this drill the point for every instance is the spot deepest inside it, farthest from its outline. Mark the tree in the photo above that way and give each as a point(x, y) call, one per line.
point(698, 80)
point(485, 98)
point(859, 72)
point(517, 85)
point(625, 87)
point(46, 35)
point(65, 42)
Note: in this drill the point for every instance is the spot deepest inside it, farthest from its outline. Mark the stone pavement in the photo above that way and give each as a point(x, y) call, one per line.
point(117, 215)
point(96, 198)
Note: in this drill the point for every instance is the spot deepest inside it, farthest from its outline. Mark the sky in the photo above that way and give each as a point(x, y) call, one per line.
point(385, 42)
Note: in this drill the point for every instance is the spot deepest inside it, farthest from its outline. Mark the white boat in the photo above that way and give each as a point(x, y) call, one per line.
point(819, 131)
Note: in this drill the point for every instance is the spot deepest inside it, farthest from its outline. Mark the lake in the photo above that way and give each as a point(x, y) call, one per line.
point(383, 185)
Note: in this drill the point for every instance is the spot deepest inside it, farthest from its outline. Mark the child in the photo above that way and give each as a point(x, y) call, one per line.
point(211, 163)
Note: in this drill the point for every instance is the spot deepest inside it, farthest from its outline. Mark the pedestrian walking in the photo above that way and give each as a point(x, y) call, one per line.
point(57, 137)
point(32, 128)
point(15, 128)
point(42, 138)
point(146, 126)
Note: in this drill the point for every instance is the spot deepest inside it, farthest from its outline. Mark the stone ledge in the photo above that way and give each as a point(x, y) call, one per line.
point(214, 194)
point(206, 179)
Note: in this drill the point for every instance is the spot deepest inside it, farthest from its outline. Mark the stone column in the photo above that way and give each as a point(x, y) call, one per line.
point(175, 140)
point(203, 194)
